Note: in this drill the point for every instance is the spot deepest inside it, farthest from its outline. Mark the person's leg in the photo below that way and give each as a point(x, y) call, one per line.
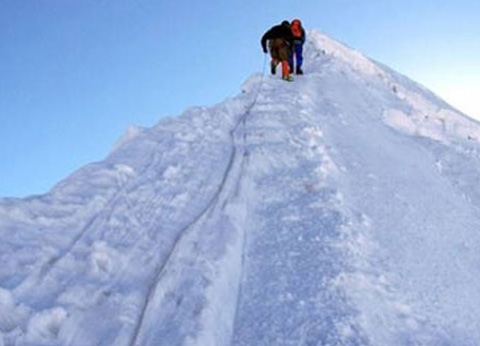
point(299, 58)
point(274, 53)
point(273, 66)
point(283, 53)
point(290, 60)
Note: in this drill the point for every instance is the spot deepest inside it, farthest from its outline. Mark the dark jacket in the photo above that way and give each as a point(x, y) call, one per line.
point(301, 39)
point(277, 31)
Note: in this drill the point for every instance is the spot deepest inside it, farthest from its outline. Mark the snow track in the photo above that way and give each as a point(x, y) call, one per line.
point(227, 191)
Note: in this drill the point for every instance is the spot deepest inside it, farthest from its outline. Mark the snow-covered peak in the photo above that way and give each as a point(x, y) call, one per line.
point(341, 209)
point(322, 43)
point(420, 112)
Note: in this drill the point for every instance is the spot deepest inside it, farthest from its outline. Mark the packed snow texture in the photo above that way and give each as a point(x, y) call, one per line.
point(341, 209)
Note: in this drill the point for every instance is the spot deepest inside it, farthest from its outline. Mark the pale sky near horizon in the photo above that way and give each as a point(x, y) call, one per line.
point(75, 74)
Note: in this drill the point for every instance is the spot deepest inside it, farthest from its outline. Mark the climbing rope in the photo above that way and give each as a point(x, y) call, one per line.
point(259, 87)
point(243, 119)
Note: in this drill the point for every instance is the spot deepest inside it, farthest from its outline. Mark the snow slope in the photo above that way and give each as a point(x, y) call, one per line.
point(341, 209)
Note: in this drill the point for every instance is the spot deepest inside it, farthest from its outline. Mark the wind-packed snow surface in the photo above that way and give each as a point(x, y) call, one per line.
point(341, 209)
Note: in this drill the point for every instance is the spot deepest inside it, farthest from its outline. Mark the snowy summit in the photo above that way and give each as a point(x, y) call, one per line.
point(340, 209)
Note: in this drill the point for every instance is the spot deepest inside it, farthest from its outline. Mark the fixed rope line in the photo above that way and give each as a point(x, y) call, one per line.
point(159, 271)
point(245, 161)
point(257, 93)
point(243, 119)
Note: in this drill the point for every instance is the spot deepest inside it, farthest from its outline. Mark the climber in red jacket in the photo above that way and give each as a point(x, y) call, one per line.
point(297, 49)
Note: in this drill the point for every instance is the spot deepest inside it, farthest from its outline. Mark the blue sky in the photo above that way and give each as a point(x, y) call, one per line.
point(75, 74)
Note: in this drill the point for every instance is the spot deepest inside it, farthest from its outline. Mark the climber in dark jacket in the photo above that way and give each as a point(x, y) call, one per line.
point(280, 40)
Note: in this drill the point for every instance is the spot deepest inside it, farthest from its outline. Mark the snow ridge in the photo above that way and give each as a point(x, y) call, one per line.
point(341, 209)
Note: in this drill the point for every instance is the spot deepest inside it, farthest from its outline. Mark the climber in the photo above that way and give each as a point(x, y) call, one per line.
point(297, 48)
point(280, 40)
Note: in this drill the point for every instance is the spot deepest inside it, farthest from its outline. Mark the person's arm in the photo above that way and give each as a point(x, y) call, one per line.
point(265, 37)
